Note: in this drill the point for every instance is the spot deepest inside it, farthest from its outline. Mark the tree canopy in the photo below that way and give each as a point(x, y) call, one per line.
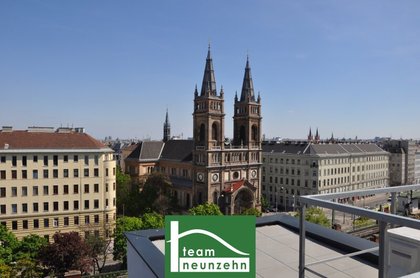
point(316, 215)
point(205, 209)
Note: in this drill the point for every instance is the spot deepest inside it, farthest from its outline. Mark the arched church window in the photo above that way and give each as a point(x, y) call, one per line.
point(254, 133)
point(202, 135)
point(214, 131)
point(242, 135)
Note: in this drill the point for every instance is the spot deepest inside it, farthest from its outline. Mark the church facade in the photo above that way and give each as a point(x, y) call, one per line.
point(210, 168)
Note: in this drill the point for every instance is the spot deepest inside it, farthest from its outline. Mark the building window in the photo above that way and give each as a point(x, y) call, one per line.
point(2, 159)
point(14, 174)
point(96, 172)
point(24, 174)
point(45, 189)
point(96, 204)
point(3, 175)
point(106, 218)
point(55, 223)
point(14, 225)
point(66, 173)
point(75, 205)
point(2, 192)
point(25, 224)
point(45, 160)
point(114, 186)
point(45, 174)
point(35, 190)
point(76, 158)
point(96, 218)
point(86, 204)
point(86, 172)
point(96, 188)
point(96, 159)
point(55, 190)
point(106, 187)
point(66, 158)
point(55, 173)
point(106, 202)
point(66, 205)
point(14, 191)
point(46, 206)
point(35, 159)
point(76, 173)
point(76, 220)
point(107, 172)
point(55, 160)
point(35, 174)
point(87, 219)
point(2, 209)
point(35, 207)
point(55, 206)
point(113, 171)
point(65, 221)
point(65, 189)
point(14, 208)
point(36, 224)
point(46, 222)
point(75, 189)
point(113, 202)
point(24, 208)
point(86, 160)
point(14, 161)
point(86, 188)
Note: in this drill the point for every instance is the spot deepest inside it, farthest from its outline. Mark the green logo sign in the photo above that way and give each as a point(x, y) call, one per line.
point(209, 246)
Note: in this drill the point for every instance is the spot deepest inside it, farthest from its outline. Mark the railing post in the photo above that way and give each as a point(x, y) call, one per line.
point(382, 240)
point(302, 241)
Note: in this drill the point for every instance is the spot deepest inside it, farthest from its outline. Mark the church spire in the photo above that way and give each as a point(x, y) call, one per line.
point(310, 137)
point(166, 128)
point(247, 85)
point(208, 88)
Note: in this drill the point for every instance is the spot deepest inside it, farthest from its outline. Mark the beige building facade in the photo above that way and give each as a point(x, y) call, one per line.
point(56, 180)
point(294, 169)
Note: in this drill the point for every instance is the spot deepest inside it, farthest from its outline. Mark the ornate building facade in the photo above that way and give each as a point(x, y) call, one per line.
point(210, 168)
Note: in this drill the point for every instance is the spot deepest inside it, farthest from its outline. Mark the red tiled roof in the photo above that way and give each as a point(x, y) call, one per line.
point(234, 186)
point(22, 139)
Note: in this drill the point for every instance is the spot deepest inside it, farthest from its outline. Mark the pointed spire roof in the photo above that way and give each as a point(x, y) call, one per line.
point(208, 88)
point(167, 117)
point(247, 85)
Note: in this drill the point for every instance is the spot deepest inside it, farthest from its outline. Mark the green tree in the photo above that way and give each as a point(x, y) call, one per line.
point(99, 251)
point(124, 224)
point(205, 209)
point(126, 194)
point(252, 211)
point(30, 246)
point(68, 252)
point(152, 220)
point(7, 271)
point(264, 204)
point(9, 245)
point(316, 215)
point(29, 268)
point(156, 193)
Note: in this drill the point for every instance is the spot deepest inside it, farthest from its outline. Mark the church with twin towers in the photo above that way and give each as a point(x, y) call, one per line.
point(209, 167)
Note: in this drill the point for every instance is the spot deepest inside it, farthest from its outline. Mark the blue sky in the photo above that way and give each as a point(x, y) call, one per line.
point(348, 67)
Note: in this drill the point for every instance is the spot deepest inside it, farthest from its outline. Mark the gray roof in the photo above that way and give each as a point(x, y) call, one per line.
point(319, 149)
point(180, 150)
point(147, 150)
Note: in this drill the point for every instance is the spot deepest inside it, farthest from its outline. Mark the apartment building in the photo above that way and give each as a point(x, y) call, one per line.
point(56, 180)
point(292, 169)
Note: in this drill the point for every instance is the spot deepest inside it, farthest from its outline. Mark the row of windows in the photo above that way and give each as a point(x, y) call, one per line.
point(54, 222)
point(285, 181)
point(333, 161)
point(46, 159)
point(55, 206)
point(55, 190)
point(46, 174)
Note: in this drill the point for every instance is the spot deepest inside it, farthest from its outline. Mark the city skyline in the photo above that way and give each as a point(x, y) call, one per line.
point(345, 68)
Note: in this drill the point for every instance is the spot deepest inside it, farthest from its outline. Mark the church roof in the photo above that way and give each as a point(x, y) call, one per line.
point(180, 150)
point(247, 85)
point(147, 150)
point(208, 87)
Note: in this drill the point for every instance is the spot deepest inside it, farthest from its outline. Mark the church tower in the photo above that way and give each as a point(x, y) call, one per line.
point(208, 132)
point(166, 128)
point(228, 175)
point(247, 114)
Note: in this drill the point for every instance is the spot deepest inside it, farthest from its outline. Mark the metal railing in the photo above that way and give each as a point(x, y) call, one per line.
point(327, 201)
